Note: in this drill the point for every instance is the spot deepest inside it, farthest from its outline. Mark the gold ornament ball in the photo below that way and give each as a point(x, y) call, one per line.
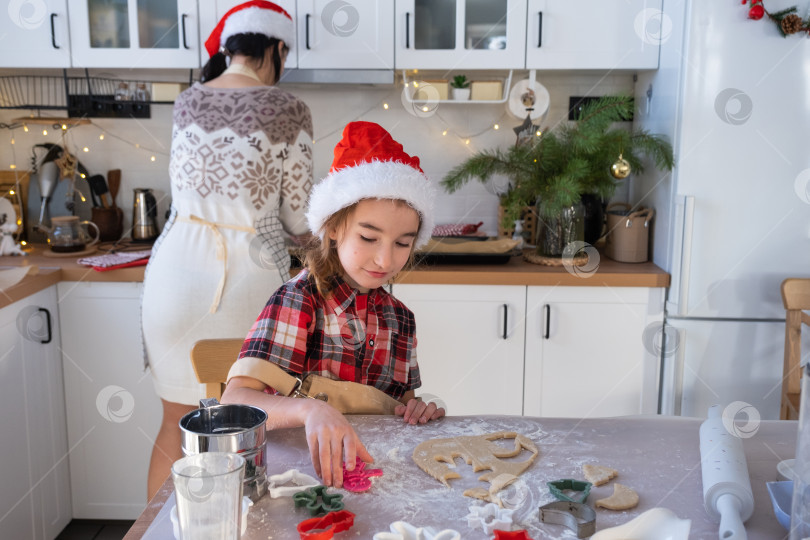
point(620, 169)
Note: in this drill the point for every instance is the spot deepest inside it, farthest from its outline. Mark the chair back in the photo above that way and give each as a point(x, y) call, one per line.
point(796, 298)
point(212, 359)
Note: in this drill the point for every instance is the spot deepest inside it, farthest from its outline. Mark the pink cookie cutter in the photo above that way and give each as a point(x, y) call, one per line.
point(358, 480)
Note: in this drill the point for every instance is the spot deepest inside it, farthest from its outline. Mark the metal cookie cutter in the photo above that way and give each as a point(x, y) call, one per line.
point(578, 517)
point(558, 488)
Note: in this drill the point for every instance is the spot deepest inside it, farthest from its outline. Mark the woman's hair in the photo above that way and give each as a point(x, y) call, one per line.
point(250, 45)
point(321, 256)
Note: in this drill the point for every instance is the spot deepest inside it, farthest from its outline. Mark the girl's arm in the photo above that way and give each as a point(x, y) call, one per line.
point(330, 437)
point(415, 410)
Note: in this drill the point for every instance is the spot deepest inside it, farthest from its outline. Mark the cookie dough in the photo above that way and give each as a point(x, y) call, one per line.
point(598, 474)
point(623, 498)
point(479, 451)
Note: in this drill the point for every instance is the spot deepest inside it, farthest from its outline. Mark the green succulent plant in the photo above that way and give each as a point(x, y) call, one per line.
point(460, 81)
point(555, 169)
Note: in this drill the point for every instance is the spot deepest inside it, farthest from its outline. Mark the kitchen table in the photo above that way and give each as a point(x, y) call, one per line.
point(657, 456)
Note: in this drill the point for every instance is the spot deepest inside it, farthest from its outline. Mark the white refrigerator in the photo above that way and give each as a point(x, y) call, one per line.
point(733, 217)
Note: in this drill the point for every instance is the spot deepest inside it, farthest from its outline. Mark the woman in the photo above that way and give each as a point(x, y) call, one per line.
point(241, 170)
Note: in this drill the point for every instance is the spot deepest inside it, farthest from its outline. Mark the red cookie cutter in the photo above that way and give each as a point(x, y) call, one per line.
point(512, 535)
point(358, 479)
point(325, 527)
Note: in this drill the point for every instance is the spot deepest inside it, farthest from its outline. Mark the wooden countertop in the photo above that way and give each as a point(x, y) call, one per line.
point(517, 271)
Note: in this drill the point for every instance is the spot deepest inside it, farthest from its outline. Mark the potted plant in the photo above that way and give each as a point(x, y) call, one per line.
point(554, 171)
point(461, 87)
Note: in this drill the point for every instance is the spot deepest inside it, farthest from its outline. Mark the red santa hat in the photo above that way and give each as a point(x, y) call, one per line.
point(254, 17)
point(370, 164)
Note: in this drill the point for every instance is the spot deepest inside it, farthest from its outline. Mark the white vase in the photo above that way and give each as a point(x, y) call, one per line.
point(461, 94)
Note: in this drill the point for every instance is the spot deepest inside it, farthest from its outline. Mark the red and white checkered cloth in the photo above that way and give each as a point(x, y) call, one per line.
point(459, 229)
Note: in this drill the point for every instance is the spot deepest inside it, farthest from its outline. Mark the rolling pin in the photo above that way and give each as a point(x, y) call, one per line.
point(726, 485)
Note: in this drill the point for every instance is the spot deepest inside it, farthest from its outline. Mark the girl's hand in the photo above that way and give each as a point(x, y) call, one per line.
point(332, 440)
point(417, 410)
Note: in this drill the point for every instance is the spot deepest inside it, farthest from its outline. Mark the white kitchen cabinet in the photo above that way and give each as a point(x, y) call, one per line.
point(135, 33)
point(113, 412)
point(460, 34)
point(469, 345)
point(211, 11)
point(353, 34)
point(35, 35)
point(593, 34)
point(35, 497)
point(589, 351)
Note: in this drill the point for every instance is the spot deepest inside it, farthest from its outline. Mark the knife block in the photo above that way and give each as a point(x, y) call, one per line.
point(110, 222)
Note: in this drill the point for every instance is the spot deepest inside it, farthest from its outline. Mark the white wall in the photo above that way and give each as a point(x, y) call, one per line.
point(332, 107)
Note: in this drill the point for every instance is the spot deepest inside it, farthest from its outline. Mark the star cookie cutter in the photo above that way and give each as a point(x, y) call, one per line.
point(325, 527)
point(558, 488)
point(512, 535)
point(358, 480)
point(578, 517)
point(401, 530)
point(276, 483)
point(489, 518)
point(317, 501)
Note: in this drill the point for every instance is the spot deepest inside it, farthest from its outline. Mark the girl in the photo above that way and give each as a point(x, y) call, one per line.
point(334, 320)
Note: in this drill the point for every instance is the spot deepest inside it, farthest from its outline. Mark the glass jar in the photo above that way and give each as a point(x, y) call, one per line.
point(122, 93)
point(556, 232)
point(800, 508)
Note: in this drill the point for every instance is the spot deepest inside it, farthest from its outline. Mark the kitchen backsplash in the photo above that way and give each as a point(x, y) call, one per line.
point(440, 139)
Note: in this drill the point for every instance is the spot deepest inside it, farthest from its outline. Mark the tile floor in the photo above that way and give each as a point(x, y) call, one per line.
point(95, 529)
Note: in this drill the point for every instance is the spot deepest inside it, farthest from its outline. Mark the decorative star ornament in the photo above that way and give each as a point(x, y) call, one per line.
point(526, 131)
point(67, 165)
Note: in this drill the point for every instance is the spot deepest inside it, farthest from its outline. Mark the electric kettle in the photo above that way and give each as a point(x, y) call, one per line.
point(144, 216)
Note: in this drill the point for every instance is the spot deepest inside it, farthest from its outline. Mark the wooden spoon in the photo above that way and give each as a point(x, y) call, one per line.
point(114, 183)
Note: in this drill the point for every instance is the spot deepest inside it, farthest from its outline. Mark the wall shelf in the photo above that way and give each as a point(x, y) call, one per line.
point(410, 90)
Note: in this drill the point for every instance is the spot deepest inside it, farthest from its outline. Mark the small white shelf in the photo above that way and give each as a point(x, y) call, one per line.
point(409, 91)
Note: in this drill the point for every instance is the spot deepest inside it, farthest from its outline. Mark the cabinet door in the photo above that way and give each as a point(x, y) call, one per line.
point(113, 412)
point(593, 34)
point(211, 11)
point(141, 34)
point(35, 35)
point(35, 499)
point(469, 345)
point(585, 354)
point(460, 34)
point(355, 34)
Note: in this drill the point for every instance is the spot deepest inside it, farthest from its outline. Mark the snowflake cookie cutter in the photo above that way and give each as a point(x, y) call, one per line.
point(317, 501)
point(489, 518)
point(578, 517)
point(400, 530)
point(558, 488)
point(325, 527)
point(358, 480)
point(276, 483)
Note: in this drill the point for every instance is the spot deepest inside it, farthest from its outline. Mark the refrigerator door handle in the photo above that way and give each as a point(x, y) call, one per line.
point(678, 298)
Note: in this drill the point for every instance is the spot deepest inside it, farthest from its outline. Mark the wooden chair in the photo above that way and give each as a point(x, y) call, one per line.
point(212, 359)
point(796, 298)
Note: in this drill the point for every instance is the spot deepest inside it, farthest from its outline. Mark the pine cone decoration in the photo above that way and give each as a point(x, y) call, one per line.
point(791, 24)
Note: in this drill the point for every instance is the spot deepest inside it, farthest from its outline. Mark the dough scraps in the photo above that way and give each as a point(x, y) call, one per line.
point(623, 498)
point(598, 474)
point(479, 451)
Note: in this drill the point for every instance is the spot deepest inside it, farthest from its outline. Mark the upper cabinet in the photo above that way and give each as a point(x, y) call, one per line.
point(210, 17)
point(594, 34)
point(134, 33)
point(460, 34)
point(339, 34)
point(35, 35)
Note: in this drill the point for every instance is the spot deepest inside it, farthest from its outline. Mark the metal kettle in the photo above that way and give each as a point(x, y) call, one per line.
point(144, 216)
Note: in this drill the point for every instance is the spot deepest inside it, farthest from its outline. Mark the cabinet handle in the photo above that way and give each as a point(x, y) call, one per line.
point(539, 29)
point(306, 30)
point(407, 30)
point(47, 320)
point(505, 318)
point(183, 29)
point(53, 32)
point(547, 307)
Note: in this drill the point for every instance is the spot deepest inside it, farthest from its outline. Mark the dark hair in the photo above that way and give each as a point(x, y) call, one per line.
point(250, 45)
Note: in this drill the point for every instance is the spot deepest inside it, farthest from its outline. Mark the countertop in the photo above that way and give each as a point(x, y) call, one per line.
point(657, 456)
point(517, 271)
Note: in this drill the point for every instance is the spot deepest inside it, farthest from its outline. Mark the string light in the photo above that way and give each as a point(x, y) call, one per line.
point(45, 132)
point(496, 127)
point(85, 149)
point(444, 133)
point(25, 128)
point(538, 133)
point(64, 127)
point(152, 158)
point(12, 140)
point(385, 106)
point(101, 137)
point(467, 141)
point(12, 166)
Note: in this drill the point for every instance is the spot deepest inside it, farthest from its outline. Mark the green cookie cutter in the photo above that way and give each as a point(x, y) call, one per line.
point(317, 501)
point(558, 488)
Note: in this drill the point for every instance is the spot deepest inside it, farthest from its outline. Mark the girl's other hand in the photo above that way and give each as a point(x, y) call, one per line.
point(417, 411)
point(331, 440)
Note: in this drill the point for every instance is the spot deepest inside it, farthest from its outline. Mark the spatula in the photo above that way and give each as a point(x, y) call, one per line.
point(99, 186)
point(114, 183)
